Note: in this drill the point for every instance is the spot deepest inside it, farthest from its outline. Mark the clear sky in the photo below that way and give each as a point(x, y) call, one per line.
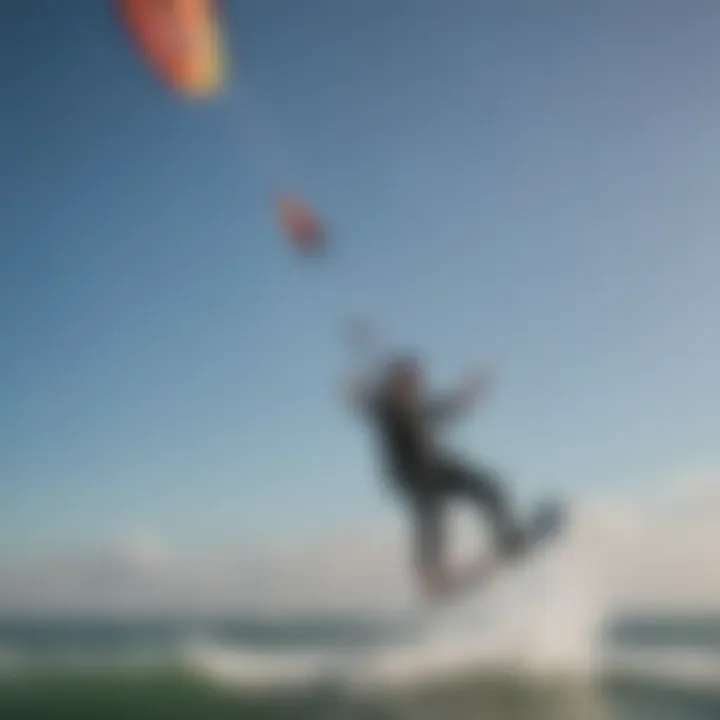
point(528, 184)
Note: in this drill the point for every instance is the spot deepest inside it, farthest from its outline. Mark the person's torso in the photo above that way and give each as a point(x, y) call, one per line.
point(405, 438)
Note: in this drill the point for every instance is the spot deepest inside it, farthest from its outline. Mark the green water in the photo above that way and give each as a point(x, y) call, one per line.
point(173, 695)
point(162, 690)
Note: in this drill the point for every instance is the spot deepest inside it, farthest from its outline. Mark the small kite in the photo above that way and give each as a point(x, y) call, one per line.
point(300, 224)
point(180, 40)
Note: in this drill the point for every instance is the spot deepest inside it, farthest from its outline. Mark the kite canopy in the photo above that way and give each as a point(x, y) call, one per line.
point(300, 224)
point(180, 40)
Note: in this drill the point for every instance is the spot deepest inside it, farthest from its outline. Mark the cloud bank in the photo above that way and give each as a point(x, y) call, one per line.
point(658, 554)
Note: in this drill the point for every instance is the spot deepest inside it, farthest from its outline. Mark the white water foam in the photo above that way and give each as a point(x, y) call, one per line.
point(539, 620)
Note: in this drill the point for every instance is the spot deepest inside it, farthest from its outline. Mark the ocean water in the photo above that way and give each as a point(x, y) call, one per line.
point(652, 669)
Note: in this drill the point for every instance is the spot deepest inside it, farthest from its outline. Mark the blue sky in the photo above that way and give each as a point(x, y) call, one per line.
point(528, 184)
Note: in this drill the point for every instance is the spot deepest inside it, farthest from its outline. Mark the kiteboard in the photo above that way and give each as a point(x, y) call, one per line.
point(544, 525)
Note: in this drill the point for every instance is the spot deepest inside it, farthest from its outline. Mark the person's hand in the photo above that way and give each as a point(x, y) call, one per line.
point(475, 383)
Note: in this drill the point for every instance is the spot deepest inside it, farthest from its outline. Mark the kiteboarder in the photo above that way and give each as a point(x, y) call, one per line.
point(426, 475)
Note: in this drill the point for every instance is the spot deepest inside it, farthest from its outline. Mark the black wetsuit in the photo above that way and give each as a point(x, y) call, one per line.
point(427, 477)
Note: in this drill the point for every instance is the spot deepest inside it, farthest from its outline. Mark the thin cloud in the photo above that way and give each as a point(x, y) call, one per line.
point(652, 555)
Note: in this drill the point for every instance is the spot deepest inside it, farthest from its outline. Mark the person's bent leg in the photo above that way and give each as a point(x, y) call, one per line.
point(429, 546)
point(485, 488)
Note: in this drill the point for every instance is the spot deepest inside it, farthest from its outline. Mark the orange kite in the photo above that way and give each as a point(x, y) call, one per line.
point(180, 40)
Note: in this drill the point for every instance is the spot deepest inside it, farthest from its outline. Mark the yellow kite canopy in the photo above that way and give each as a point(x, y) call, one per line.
point(180, 40)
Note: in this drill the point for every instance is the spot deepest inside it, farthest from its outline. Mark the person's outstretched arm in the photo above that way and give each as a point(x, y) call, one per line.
point(360, 389)
point(455, 404)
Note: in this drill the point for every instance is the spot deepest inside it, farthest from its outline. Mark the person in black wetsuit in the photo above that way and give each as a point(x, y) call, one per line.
point(425, 474)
